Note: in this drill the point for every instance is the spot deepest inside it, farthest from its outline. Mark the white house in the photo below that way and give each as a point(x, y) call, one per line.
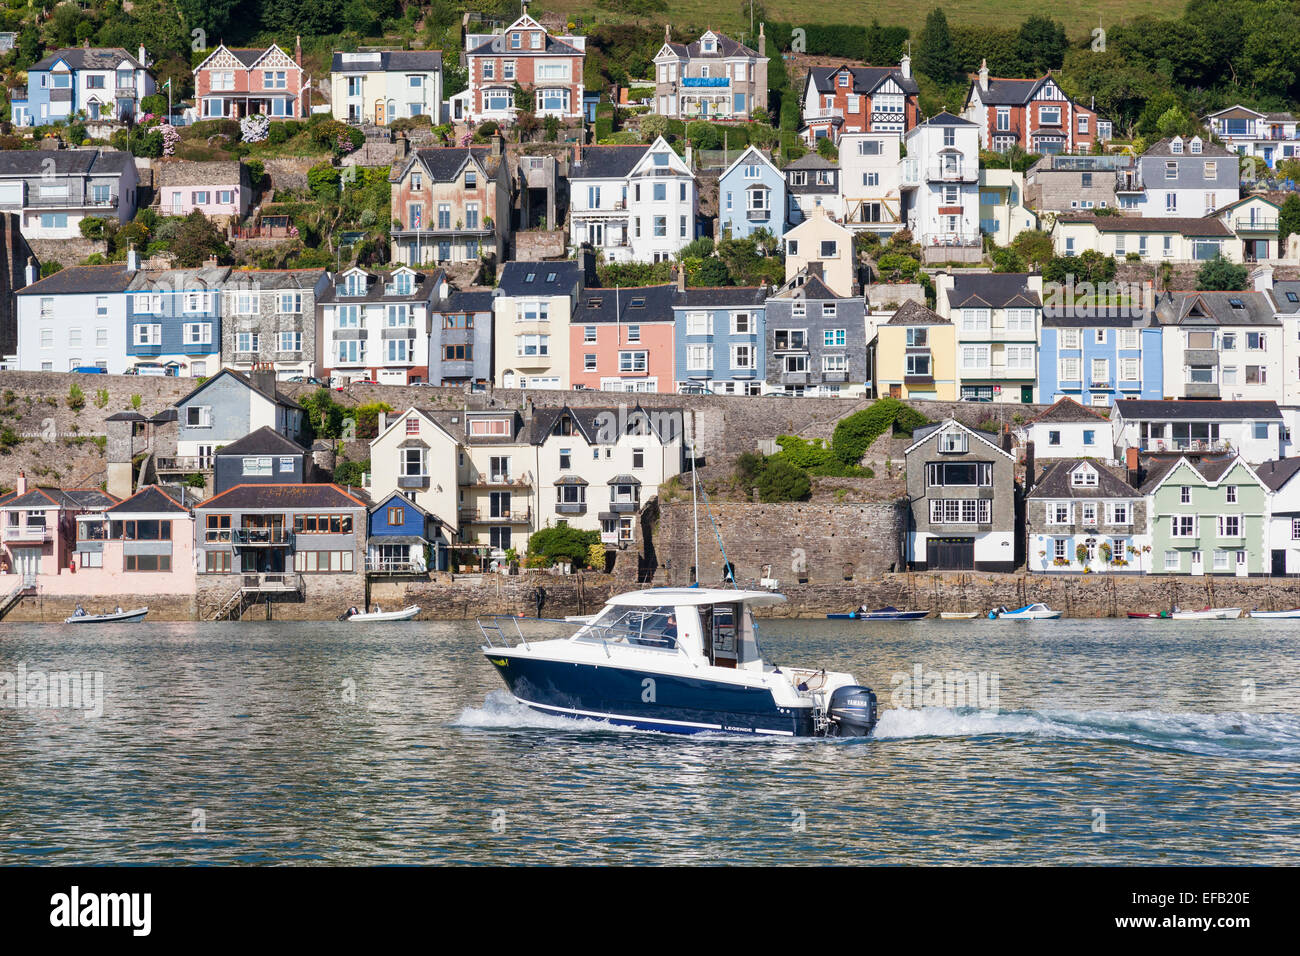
point(1282, 530)
point(75, 318)
point(941, 197)
point(380, 86)
point(1221, 345)
point(1068, 430)
point(633, 203)
point(1252, 429)
point(871, 182)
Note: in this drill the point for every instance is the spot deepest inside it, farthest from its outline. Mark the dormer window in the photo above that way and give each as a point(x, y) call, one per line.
point(355, 284)
point(1176, 145)
point(536, 41)
point(516, 41)
point(1083, 478)
point(952, 442)
point(402, 283)
point(1196, 145)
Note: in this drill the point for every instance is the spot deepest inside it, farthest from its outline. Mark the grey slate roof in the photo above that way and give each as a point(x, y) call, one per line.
point(92, 58)
point(811, 288)
point(385, 60)
point(265, 441)
point(1277, 473)
point(1066, 409)
point(865, 78)
point(1008, 92)
point(444, 163)
point(588, 421)
point(469, 302)
point(1055, 482)
point(275, 280)
point(1286, 295)
point(607, 162)
point(547, 278)
point(148, 500)
point(638, 304)
point(1163, 148)
point(1182, 225)
point(1063, 316)
point(994, 290)
point(912, 312)
point(171, 279)
point(944, 118)
point(81, 280)
point(812, 161)
point(1211, 469)
point(275, 396)
point(184, 173)
point(66, 162)
point(726, 47)
point(720, 296)
point(1216, 308)
point(497, 44)
point(1196, 410)
point(284, 496)
point(422, 286)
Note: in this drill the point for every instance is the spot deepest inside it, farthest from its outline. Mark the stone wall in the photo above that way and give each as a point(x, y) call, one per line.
point(66, 252)
point(49, 608)
point(538, 244)
point(326, 596)
point(471, 596)
point(818, 543)
point(289, 172)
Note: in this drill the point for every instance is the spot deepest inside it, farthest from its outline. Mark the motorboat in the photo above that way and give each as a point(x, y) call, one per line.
point(1030, 612)
point(1295, 612)
point(958, 615)
point(112, 617)
point(405, 614)
point(881, 614)
point(677, 660)
point(1207, 614)
point(1151, 614)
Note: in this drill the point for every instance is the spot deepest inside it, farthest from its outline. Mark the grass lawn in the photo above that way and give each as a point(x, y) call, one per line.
point(726, 15)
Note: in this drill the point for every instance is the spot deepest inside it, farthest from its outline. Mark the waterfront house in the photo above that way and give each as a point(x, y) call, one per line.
point(1282, 539)
point(527, 55)
point(997, 317)
point(1207, 516)
point(39, 534)
point(1080, 516)
point(99, 83)
point(621, 340)
point(74, 318)
point(1254, 221)
point(263, 457)
point(269, 320)
point(375, 326)
point(713, 78)
point(221, 190)
point(1099, 352)
point(815, 340)
point(1182, 177)
point(532, 309)
point(751, 196)
point(962, 501)
point(1285, 297)
point(859, 99)
point(53, 191)
point(1068, 430)
point(718, 338)
point(233, 82)
point(147, 548)
point(823, 247)
point(1266, 137)
point(450, 204)
point(418, 453)
point(916, 355)
point(633, 203)
point(812, 186)
point(1221, 345)
point(460, 339)
point(498, 486)
point(941, 194)
point(1171, 429)
point(380, 86)
point(404, 538)
point(870, 182)
point(173, 321)
point(1034, 114)
point(1150, 239)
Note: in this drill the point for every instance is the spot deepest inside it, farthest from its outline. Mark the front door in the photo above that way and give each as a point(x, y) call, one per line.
point(1279, 562)
point(1027, 394)
point(950, 554)
point(380, 117)
point(27, 562)
point(1198, 563)
point(895, 391)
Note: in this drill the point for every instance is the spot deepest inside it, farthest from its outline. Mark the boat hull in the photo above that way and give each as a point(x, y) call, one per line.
point(124, 617)
point(958, 615)
point(405, 614)
point(1276, 614)
point(647, 700)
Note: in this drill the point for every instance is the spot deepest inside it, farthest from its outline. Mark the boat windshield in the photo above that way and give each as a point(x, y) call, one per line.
point(638, 626)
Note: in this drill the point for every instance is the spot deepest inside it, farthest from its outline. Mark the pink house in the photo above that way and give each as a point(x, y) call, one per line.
point(38, 532)
point(621, 340)
point(234, 82)
point(217, 189)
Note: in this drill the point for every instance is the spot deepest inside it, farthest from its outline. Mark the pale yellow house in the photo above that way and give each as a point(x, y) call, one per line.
point(916, 355)
point(1003, 214)
point(531, 314)
point(825, 248)
point(1150, 239)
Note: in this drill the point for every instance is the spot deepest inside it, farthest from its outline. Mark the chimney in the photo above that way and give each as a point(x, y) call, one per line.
point(1029, 465)
point(262, 375)
point(210, 262)
point(141, 57)
point(1006, 438)
point(498, 141)
point(905, 66)
point(681, 277)
point(984, 76)
point(132, 259)
point(403, 146)
point(1131, 463)
point(762, 41)
point(32, 273)
point(587, 256)
point(21, 487)
point(577, 150)
point(297, 50)
point(668, 33)
point(1263, 277)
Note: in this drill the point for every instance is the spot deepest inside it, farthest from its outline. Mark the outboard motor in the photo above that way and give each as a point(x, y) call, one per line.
point(852, 711)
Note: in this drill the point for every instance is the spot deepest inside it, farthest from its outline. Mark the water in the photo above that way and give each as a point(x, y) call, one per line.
point(250, 725)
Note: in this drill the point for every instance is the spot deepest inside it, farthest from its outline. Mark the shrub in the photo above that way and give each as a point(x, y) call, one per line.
point(855, 433)
point(76, 398)
point(350, 473)
point(563, 543)
point(195, 480)
point(781, 481)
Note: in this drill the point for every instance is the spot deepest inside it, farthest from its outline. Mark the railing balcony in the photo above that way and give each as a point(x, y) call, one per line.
point(501, 481)
point(261, 537)
point(509, 516)
point(412, 481)
point(1129, 181)
point(1246, 224)
point(708, 82)
point(1158, 445)
point(952, 174)
point(794, 378)
point(836, 375)
point(186, 464)
point(27, 533)
point(381, 565)
point(282, 581)
point(758, 215)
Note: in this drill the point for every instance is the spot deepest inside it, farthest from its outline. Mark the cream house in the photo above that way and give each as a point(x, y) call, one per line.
point(531, 311)
point(416, 453)
point(380, 86)
point(825, 248)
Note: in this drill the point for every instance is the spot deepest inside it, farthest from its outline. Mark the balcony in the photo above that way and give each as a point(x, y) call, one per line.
point(1157, 446)
point(794, 378)
point(27, 533)
point(501, 481)
point(412, 481)
point(1201, 390)
point(952, 174)
point(824, 112)
point(184, 464)
point(68, 202)
point(261, 537)
point(758, 215)
point(1129, 181)
point(706, 82)
point(378, 564)
point(836, 375)
point(278, 582)
point(508, 516)
point(1246, 224)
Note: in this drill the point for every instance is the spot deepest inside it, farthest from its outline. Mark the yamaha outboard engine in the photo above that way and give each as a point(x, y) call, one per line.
point(852, 711)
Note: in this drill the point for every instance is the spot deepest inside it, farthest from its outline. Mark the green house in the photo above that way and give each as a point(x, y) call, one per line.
point(1206, 517)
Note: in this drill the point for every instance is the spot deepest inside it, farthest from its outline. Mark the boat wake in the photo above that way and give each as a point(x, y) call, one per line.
point(1263, 736)
point(500, 711)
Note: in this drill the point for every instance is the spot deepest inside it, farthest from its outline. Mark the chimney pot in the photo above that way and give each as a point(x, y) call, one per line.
point(21, 486)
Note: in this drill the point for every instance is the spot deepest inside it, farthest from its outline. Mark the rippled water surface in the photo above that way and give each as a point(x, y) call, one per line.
point(1181, 738)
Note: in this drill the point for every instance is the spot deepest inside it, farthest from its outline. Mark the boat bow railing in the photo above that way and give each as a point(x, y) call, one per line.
point(500, 629)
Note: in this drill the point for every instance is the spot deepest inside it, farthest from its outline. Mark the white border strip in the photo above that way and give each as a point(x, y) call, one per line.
point(651, 720)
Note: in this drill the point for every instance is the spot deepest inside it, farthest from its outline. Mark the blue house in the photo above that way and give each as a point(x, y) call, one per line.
point(403, 538)
point(751, 196)
point(718, 339)
point(173, 321)
point(96, 82)
point(1099, 359)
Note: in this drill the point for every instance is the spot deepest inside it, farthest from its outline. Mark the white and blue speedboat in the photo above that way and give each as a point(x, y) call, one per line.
point(679, 660)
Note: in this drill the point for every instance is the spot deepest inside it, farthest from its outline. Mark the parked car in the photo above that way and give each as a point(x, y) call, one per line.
point(694, 390)
point(91, 370)
point(307, 380)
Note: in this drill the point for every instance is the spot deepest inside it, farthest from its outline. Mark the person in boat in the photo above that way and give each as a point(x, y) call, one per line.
point(79, 612)
point(863, 609)
point(352, 611)
point(119, 609)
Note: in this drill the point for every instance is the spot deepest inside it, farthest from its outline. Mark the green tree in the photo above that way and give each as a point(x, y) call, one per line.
point(563, 543)
point(1034, 246)
point(324, 415)
point(936, 58)
point(198, 240)
point(1041, 45)
point(781, 481)
point(1221, 275)
point(323, 181)
point(1288, 220)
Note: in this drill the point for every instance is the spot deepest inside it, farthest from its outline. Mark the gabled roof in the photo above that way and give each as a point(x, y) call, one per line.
point(725, 47)
point(590, 422)
point(751, 154)
point(385, 60)
point(87, 58)
point(148, 500)
point(811, 288)
point(1004, 91)
point(865, 79)
point(1210, 470)
point(1277, 473)
point(1195, 410)
point(720, 295)
point(63, 162)
point(638, 304)
point(444, 163)
point(607, 162)
point(497, 44)
point(265, 441)
point(1066, 409)
point(82, 280)
point(944, 118)
point(811, 161)
point(1164, 148)
point(1056, 482)
point(180, 172)
point(283, 496)
point(947, 425)
point(912, 312)
point(1234, 111)
point(1216, 308)
point(993, 290)
point(37, 498)
point(539, 278)
point(405, 503)
point(276, 396)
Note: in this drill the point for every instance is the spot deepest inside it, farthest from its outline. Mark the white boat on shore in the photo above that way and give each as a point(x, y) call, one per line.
point(1294, 612)
point(958, 615)
point(1030, 612)
point(405, 614)
point(1207, 614)
point(113, 617)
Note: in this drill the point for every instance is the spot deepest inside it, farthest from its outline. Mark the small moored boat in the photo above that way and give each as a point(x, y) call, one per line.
point(1294, 612)
point(1149, 614)
point(112, 617)
point(1207, 614)
point(405, 614)
point(1030, 612)
point(958, 615)
point(881, 614)
point(676, 660)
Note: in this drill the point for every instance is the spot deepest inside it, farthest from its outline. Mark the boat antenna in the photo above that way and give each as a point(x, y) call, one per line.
point(695, 511)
